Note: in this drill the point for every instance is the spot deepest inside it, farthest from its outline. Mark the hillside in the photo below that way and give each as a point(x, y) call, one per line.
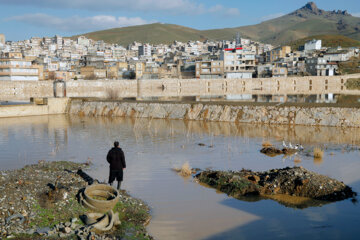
point(327, 41)
point(304, 22)
point(155, 33)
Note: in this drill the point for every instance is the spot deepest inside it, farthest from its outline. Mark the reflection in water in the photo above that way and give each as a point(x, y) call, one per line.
point(318, 161)
point(182, 209)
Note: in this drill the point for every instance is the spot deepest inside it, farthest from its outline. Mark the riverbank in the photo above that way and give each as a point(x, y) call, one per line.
point(276, 114)
point(40, 202)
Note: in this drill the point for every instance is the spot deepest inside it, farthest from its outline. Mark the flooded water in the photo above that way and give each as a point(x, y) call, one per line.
point(181, 208)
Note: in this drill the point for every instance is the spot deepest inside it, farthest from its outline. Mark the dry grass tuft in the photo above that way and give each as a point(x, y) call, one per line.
point(266, 144)
point(318, 153)
point(185, 170)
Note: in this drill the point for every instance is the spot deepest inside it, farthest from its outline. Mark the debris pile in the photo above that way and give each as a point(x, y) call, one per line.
point(296, 181)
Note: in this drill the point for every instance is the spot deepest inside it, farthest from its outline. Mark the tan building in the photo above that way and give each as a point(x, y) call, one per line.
point(92, 73)
point(139, 69)
point(278, 71)
point(209, 69)
point(278, 53)
point(19, 70)
point(2, 38)
point(56, 75)
point(238, 62)
point(122, 65)
point(112, 72)
point(13, 55)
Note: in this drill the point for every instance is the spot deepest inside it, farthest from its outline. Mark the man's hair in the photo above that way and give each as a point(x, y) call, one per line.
point(116, 144)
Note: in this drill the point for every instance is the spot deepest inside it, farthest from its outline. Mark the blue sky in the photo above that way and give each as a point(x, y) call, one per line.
point(22, 19)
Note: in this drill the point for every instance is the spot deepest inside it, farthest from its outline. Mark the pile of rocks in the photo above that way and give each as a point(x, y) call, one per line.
point(296, 181)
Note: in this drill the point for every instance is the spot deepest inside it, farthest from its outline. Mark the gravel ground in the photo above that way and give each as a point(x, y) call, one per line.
point(40, 202)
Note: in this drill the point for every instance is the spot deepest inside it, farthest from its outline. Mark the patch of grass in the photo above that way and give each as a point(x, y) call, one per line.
point(327, 41)
point(133, 218)
point(350, 67)
point(318, 153)
point(353, 83)
point(45, 217)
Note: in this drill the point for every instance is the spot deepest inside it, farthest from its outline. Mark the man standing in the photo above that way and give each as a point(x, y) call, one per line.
point(116, 158)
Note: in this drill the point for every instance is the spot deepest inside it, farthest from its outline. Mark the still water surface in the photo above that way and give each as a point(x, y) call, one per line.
point(181, 208)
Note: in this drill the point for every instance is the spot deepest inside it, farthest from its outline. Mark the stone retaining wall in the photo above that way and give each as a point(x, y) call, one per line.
point(53, 106)
point(312, 85)
point(293, 115)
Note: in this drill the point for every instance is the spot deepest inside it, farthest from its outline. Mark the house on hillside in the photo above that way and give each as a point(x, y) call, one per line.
point(313, 45)
point(319, 66)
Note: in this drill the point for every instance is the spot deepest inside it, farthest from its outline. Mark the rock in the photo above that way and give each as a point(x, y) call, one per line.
point(74, 225)
point(66, 230)
point(30, 231)
point(62, 235)
point(43, 230)
point(15, 216)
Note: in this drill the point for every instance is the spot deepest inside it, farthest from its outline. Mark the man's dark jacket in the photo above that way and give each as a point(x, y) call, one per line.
point(116, 158)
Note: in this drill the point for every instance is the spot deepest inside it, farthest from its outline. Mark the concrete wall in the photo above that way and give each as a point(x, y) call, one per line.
point(53, 106)
point(11, 90)
point(311, 116)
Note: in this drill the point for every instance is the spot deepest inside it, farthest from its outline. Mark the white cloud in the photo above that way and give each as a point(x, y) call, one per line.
point(272, 16)
point(167, 6)
point(356, 14)
point(220, 9)
point(77, 23)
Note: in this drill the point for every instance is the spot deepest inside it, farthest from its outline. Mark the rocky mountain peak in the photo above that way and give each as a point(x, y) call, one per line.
point(312, 7)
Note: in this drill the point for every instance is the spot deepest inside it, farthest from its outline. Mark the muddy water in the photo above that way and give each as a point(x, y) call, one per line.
point(181, 208)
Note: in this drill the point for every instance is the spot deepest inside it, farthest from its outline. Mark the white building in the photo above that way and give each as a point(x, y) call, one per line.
point(313, 45)
point(145, 50)
point(58, 41)
point(83, 41)
point(18, 70)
